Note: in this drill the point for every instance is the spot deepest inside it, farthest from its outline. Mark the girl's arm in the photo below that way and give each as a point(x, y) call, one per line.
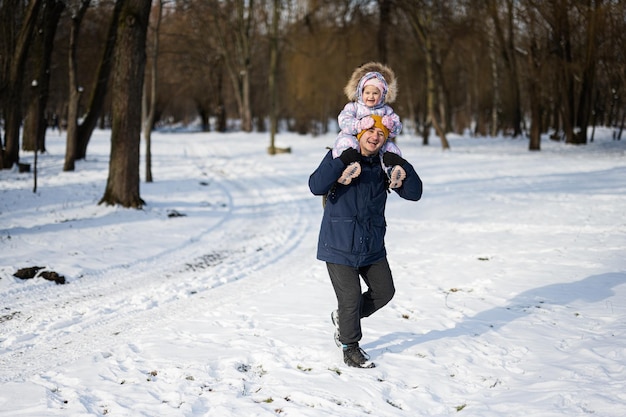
point(347, 119)
point(394, 120)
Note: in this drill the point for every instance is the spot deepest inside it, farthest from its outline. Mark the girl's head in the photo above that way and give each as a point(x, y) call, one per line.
point(372, 92)
point(372, 89)
point(371, 72)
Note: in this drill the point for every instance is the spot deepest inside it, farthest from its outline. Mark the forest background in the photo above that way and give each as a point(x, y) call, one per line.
point(490, 67)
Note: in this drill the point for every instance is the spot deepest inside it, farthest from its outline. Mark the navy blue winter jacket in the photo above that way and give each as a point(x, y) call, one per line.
point(353, 225)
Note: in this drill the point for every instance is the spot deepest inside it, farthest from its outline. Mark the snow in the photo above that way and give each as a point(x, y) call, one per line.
point(510, 277)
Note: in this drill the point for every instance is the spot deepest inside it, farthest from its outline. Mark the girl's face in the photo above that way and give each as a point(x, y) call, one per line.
point(371, 95)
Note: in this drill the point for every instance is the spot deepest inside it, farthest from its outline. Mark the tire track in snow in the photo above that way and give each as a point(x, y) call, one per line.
point(266, 219)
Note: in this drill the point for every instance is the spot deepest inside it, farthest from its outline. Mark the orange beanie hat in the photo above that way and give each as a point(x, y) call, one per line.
point(378, 122)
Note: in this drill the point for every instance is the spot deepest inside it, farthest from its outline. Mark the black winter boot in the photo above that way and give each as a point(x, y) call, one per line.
point(354, 356)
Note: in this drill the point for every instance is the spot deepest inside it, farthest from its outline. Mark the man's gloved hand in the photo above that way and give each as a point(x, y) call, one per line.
point(349, 156)
point(365, 123)
point(390, 159)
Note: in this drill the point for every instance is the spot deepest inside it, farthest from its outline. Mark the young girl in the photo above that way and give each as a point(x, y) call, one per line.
point(370, 88)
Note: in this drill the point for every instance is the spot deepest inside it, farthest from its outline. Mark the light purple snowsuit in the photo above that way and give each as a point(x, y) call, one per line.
point(356, 110)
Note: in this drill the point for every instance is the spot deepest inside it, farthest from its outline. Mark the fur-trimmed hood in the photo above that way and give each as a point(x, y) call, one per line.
point(354, 88)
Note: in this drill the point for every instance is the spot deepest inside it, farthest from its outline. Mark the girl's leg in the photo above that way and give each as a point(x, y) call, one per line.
point(390, 146)
point(344, 142)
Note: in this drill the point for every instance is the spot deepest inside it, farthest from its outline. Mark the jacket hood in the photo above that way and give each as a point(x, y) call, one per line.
point(354, 87)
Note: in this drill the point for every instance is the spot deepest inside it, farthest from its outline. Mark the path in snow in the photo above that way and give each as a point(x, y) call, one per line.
point(257, 216)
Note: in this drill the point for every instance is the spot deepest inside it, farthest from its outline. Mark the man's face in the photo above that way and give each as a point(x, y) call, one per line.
point(371, 141)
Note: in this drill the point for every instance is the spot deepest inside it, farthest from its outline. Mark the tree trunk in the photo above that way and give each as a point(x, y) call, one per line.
point(562, 45)
point(96, 101)
point(204, 115)
point(588, 77)
point(432, 92)
point(534, 65)
point(41, 51)
point(75, 89)
point(237, 59)
point(443, 95)
point(421, 28)
point(245, 33)
point(507, 45)
point(272, 76)
point(127, 84)
point(150, 105)
point(618, 136)
point(514, 83)
point(221, 119)
point(12, 91)
point(384, 7)
point(495, 106)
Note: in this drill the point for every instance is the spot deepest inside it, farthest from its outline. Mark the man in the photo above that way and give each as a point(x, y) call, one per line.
point(352, 233)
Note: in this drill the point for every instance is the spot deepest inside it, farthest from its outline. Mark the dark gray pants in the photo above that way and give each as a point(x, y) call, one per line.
point(354, 305)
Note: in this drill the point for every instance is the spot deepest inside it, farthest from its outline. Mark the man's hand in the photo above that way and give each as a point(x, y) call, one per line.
point(349, 156)
point(390, 159)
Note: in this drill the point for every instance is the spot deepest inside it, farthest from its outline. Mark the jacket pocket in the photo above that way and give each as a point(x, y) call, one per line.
point(376, 237)
point(340, 233)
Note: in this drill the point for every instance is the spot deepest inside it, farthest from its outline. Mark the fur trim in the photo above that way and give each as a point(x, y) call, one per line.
point(390, 77)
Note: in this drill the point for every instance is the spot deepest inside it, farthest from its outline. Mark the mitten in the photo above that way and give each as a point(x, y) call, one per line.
point(388, 122)
point(390, 159)
point(349, 156)
point(365, 123)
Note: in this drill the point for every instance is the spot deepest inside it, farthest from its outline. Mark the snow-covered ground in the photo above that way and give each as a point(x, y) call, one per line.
point(510, 276)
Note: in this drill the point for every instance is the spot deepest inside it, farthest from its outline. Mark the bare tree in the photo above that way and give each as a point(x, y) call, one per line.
point(11, 87)
point(149, 97)
point(101, 84)
point(533, 81)
point(505, 35)
point(193, 65)
point(420, 18)
point(77, 8)
point(272, 74)
point(214, 62)
point(592, 12)
point(384, 24)
point(556, 15)
point(128, 73)
point(235, 24)
point(40, 53)
point(495, 76)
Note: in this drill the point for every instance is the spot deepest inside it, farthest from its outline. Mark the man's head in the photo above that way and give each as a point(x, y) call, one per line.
point(372, 139)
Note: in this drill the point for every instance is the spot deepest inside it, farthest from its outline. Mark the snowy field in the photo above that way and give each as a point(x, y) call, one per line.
point(510, 276)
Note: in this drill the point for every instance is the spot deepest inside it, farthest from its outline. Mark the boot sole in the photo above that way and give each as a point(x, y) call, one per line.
point(398, 174)
point(365, 365)
point(352, 171)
